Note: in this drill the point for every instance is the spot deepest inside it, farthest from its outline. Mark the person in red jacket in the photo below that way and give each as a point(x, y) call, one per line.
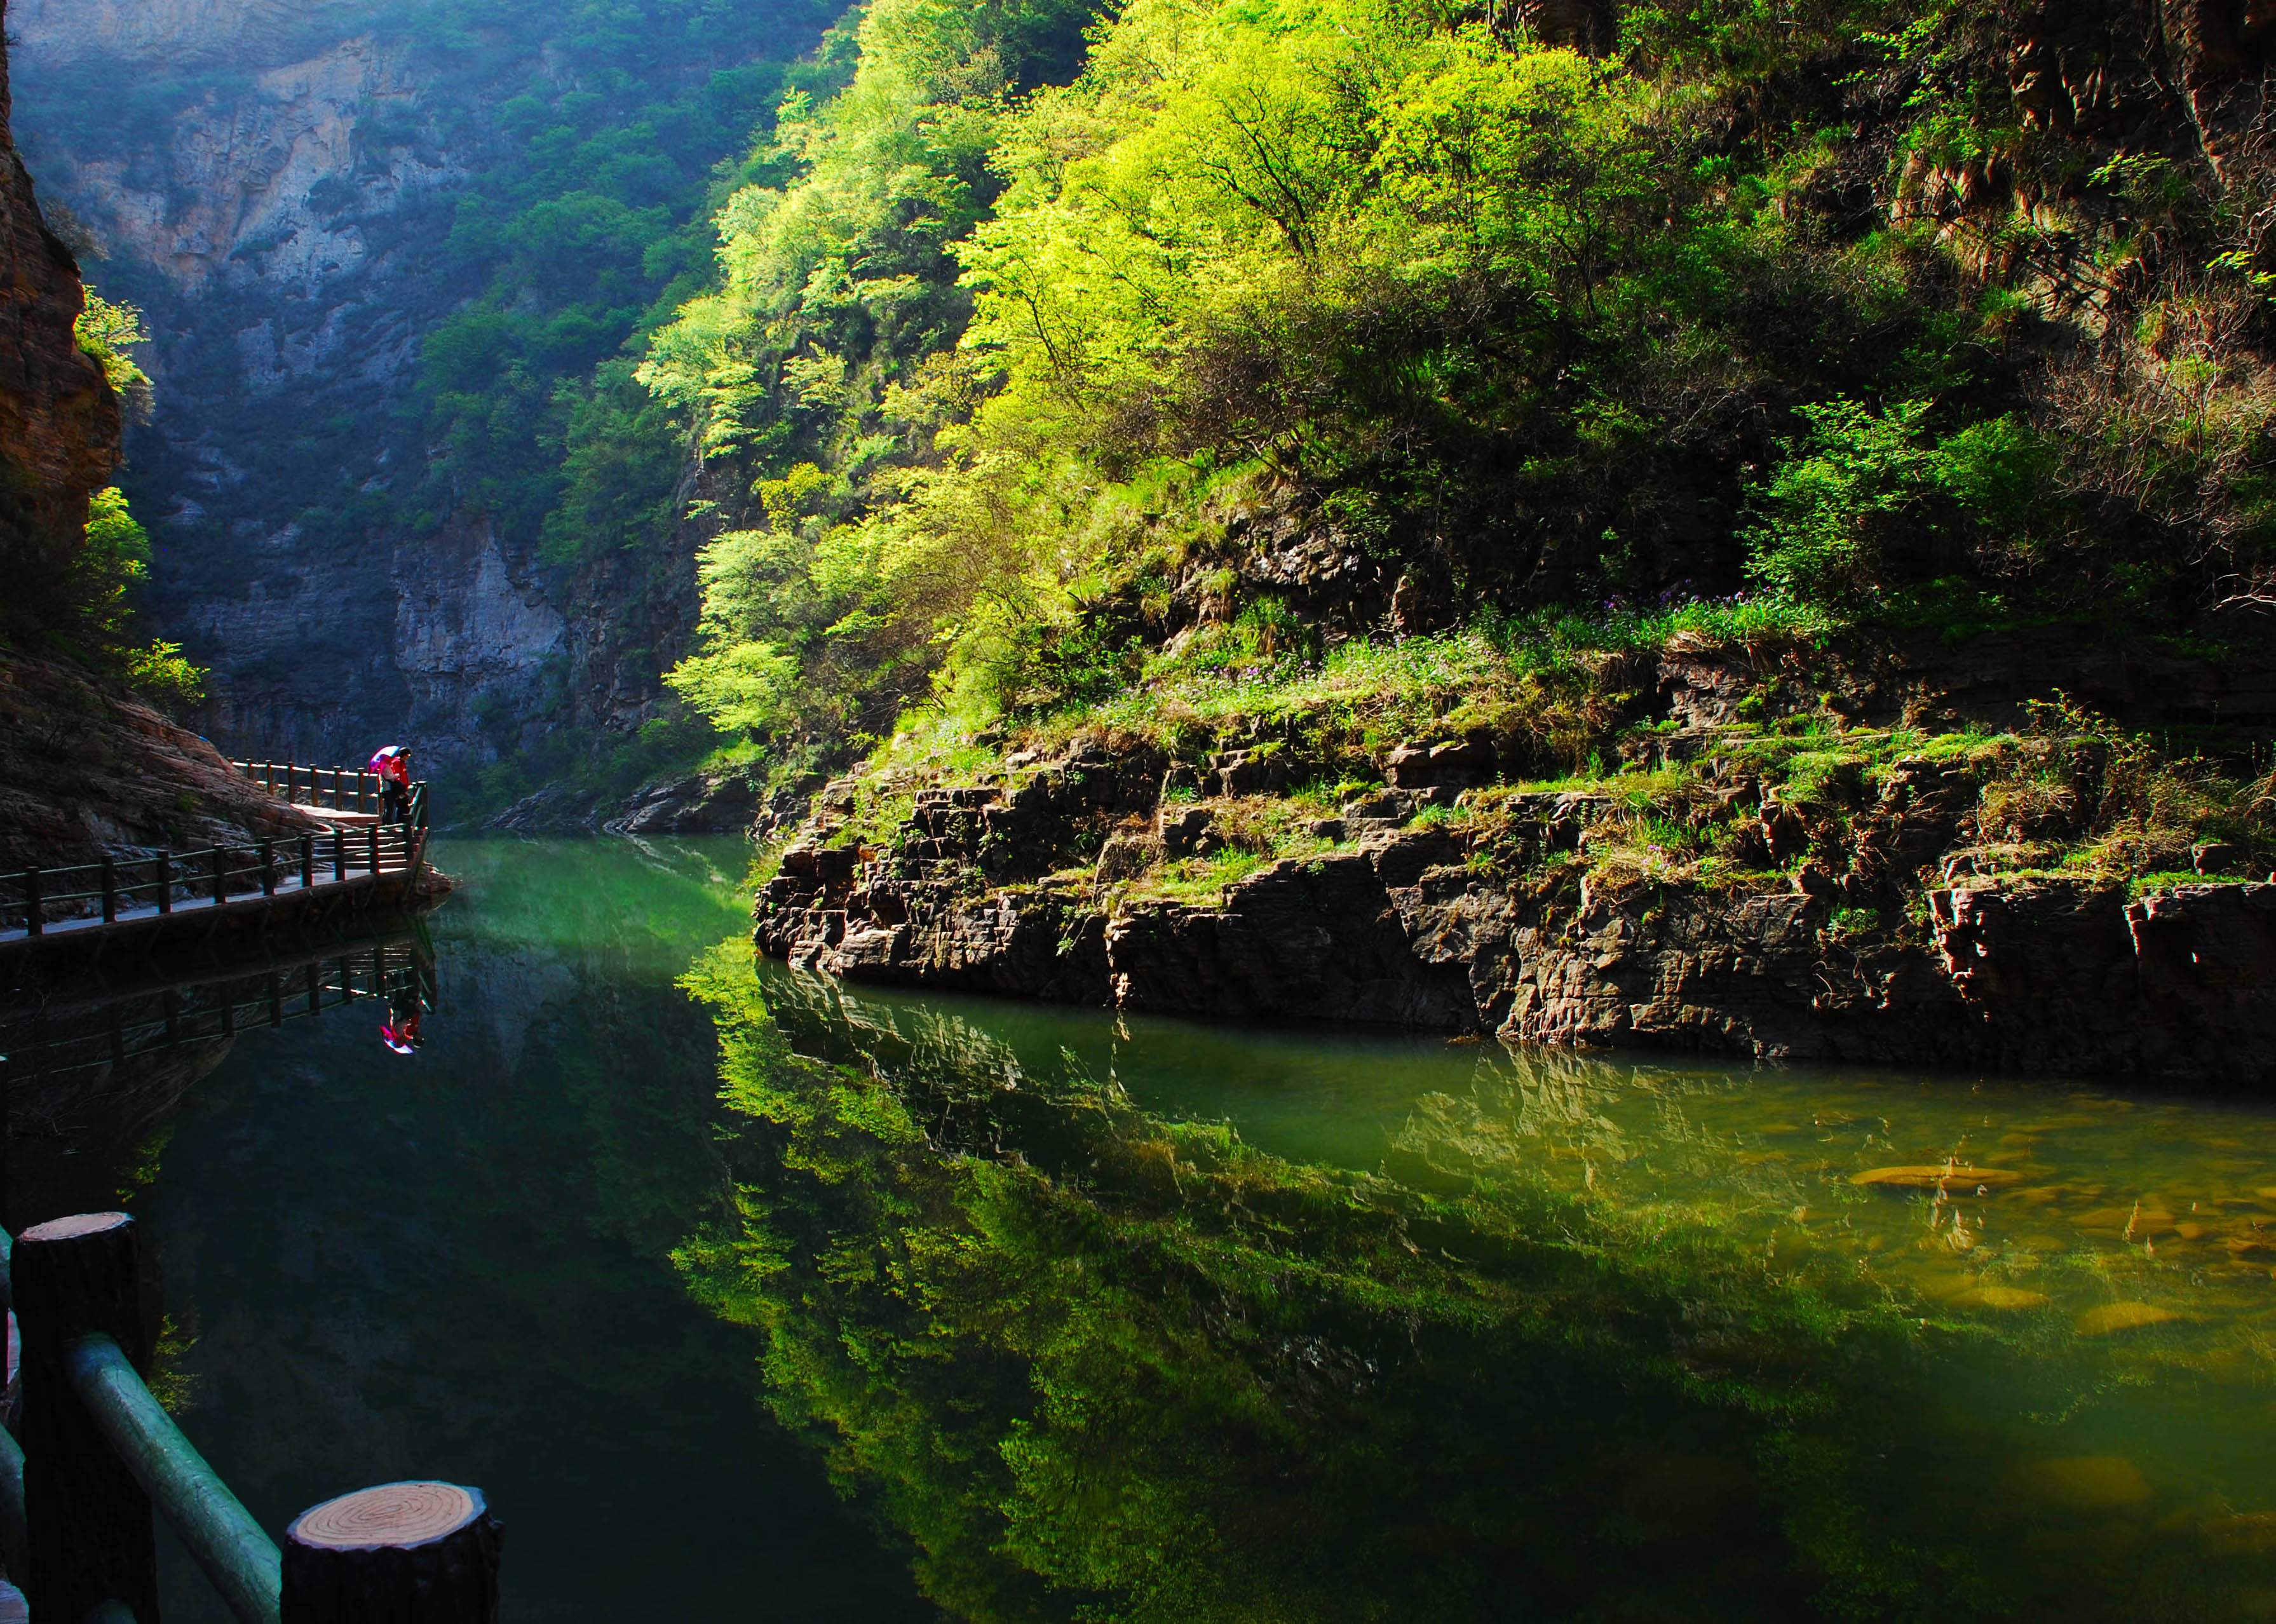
point(393, 766)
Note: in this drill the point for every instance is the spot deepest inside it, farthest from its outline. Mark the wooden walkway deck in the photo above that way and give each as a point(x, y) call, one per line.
point(146, 902)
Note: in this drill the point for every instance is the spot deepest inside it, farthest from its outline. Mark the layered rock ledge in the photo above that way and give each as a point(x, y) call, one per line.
point(1031, 886)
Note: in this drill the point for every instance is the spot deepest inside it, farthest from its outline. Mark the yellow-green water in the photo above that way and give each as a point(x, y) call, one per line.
point(748, 1294)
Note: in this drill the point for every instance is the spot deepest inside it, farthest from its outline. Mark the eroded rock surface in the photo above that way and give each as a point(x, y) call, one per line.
point(85, 770)
point(59, 423)
point(1017, 887)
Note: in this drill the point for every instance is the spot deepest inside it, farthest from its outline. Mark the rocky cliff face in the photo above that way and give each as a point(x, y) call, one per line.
point(1440, 902)
point(58, 418)
point(84, 770)
point(280, 214)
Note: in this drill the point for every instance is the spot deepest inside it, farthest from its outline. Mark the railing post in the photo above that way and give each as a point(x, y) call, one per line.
point(308, 862)
point(221, 875)
point(339, 852)
point(375, 848)
point(165, 864)
point(109, 891)
point(407, 1550)
point(33, 923)
point(268, 867)
point(91, 1534)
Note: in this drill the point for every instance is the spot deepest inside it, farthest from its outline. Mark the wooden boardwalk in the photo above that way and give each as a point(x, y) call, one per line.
point(153, 901)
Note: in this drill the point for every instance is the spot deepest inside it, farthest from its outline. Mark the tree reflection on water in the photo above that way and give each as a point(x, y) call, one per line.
point(1092, 1363)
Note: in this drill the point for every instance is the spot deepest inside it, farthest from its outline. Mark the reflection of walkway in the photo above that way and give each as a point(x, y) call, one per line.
point(87, 1067)
point(113, 1028)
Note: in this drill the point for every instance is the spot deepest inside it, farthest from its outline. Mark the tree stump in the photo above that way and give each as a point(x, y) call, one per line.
point(91, 1538)
point(400, 1554)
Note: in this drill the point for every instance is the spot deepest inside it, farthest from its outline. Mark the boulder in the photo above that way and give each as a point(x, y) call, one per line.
point(1453, 766)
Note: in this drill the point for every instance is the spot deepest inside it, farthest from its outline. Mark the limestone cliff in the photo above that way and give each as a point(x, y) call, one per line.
point(84, 769)
point(58, 419)
point(280, 208)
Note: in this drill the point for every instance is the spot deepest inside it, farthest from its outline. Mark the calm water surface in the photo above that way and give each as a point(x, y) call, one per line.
point(749, 1296)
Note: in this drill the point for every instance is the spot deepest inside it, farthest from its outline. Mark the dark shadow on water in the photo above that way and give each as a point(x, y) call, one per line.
point(456, 1261)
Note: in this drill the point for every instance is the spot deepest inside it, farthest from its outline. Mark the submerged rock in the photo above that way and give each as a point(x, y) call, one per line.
point(2006, 1298)
point(2112, 1317)
point(2084, 1483)
point(1929, 1178)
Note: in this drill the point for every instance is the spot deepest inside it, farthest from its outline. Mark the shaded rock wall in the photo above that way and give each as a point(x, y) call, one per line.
point(1880, 943)
point(1411, 928)
point(283, 228)
point(59, 428)
point(85, 770)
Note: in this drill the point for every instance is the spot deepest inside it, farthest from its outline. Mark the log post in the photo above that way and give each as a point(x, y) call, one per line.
point(109, 891)
point(400, 1554)
point(164, 861)
point(91, 1534)
point(307, 862)
point(268, 867)
point(33, 923)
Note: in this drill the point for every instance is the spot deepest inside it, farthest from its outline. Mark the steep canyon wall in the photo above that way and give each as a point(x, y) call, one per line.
point(273, 182)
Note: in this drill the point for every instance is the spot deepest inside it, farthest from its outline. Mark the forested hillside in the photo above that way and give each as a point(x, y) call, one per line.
point(1721, 526)
point(1540, 329)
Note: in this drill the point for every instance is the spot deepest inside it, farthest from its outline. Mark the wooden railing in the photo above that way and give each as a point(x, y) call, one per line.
point(31, 899)
point(98, 1455)
point(341, 789)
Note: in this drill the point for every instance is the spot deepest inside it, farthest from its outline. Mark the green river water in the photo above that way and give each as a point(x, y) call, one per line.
point(749, 1296)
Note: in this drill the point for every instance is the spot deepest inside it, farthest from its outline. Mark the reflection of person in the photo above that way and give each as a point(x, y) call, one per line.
point(406, 1007)
point(392, 766)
